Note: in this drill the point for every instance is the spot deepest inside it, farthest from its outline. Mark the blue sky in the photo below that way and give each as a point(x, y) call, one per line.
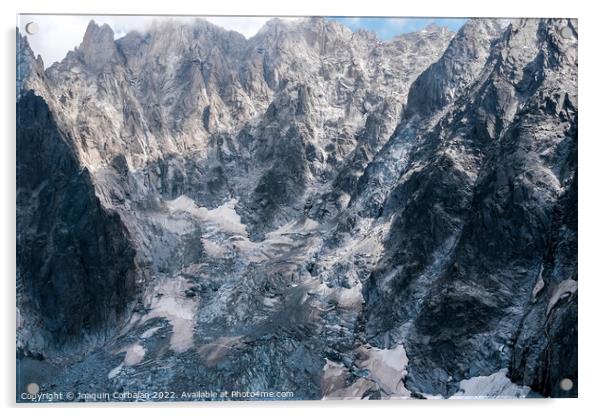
point(388, 27)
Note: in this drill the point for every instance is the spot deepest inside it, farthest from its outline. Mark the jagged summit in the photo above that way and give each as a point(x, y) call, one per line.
point(459, 66)
point(94, 32)
point(30, 69)
point(98, 51)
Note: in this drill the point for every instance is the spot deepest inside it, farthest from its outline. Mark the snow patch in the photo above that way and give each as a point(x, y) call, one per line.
point(538, 285)
point(387, 368)
point(494, 386)
point(170, 301)
point(213, 249)
point(114, 372)
point(134, 354)
point(221, 219)
point(386, 372)
point(350, 298)
point(568, 286)
point(150, 332)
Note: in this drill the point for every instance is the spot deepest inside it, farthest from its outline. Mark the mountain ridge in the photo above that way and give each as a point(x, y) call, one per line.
point(316, 193)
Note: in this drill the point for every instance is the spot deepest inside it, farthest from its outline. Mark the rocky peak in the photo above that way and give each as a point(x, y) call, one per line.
point(171, 44)
point(24, 49)
point(97, 50)
point(275, 26)
point(563, 49)
point(459, 66)
point(30, 69)
point(434, 27)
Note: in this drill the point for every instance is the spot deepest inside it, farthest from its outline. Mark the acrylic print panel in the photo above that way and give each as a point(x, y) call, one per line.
point(248, 208)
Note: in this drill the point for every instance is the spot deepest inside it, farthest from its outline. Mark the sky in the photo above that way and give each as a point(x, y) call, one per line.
point(68, 30)
point(388, 27)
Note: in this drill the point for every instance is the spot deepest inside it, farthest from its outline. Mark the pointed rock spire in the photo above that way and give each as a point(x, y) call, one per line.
point(98, 49)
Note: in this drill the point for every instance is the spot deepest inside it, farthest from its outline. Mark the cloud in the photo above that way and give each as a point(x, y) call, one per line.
point(248, 26)
point(58, 34)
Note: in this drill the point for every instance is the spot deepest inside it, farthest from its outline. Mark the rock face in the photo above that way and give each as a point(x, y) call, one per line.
point(76, 263)
point(485, 185)
point(310, 210)
point(461, 63)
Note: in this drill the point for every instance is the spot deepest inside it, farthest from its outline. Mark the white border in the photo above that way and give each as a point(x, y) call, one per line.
point(590, 202)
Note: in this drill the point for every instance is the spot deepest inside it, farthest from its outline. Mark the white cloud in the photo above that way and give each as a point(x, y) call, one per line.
point(248, 26)
point(59, 34)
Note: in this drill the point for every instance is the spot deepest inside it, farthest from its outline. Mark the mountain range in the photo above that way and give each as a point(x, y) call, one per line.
point(311, 210)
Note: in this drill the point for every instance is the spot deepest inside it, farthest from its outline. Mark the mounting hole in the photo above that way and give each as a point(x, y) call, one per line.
point(32, 28)
point(566, 32)
point(33, 388)
point(566, 384)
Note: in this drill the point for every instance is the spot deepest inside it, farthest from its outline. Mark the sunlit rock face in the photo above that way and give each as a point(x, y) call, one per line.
point(311, 210)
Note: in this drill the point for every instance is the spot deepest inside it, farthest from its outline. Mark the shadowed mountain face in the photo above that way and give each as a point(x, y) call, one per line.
point(310, 210)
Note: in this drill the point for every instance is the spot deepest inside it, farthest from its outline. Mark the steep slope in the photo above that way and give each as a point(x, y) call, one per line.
point(461, 63)
point(75, 263)
point(485, 186)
